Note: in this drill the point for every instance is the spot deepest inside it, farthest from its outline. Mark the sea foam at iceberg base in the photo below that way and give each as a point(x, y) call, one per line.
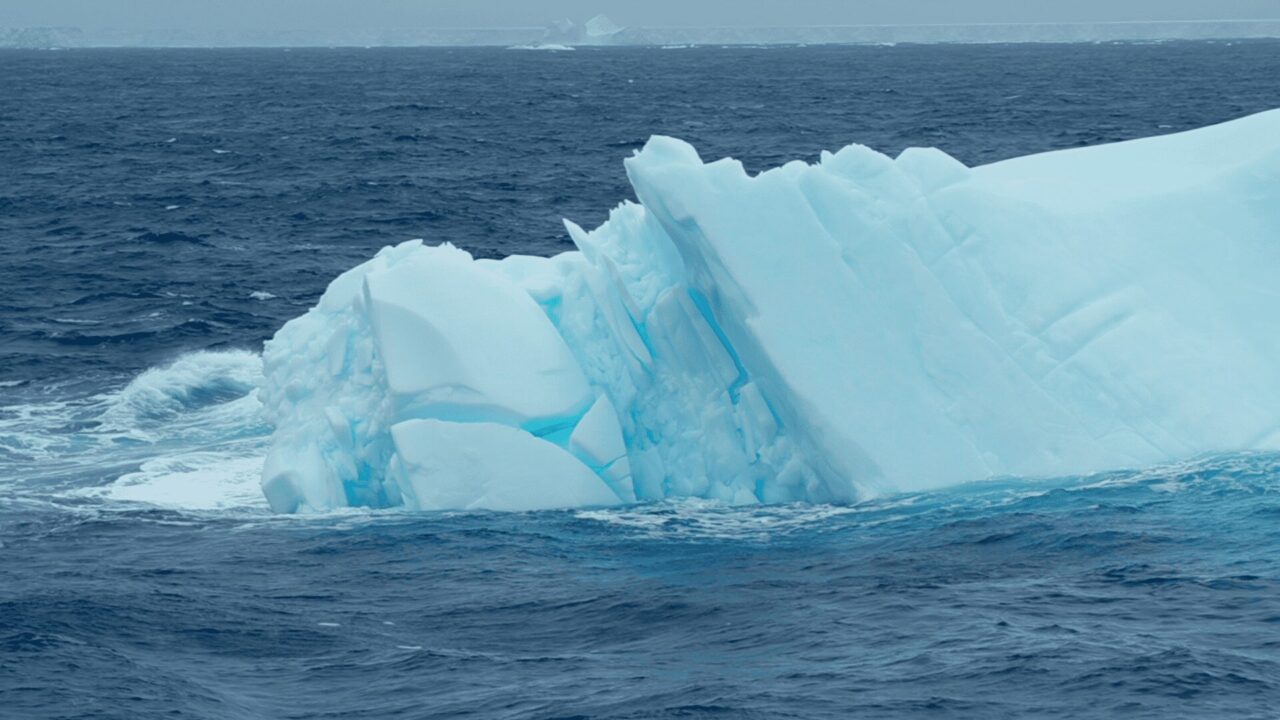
point(818, 333)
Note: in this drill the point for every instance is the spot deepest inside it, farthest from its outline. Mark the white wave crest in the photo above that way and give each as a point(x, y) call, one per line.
point(187, 435)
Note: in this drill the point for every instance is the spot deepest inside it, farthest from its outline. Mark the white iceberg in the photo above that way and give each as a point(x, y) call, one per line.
point(815, 333)
point(601, 29)
point(564, 34)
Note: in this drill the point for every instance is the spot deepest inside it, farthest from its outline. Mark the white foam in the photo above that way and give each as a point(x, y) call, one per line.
point(693, 518)
point(192, 481)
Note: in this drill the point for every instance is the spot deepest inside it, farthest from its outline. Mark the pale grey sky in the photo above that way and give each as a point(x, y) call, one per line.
point(364, 14)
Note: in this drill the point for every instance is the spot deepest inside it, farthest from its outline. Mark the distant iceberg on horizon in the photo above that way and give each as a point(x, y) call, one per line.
point(819, 333)
point(601, 31)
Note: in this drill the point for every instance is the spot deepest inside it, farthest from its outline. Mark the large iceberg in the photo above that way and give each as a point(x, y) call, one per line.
point(816, 333)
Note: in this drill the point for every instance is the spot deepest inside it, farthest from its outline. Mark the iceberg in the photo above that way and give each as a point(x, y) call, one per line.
point(819, 332)
point(599, 30)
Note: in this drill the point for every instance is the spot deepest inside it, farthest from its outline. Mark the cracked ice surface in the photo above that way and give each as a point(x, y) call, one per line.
point(815, 333)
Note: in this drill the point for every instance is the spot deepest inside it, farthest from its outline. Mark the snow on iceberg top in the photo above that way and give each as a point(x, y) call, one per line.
point(813, 333)
point(1147, 167)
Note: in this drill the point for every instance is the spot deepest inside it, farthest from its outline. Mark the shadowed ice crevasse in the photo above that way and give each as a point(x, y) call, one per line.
point(818, 333)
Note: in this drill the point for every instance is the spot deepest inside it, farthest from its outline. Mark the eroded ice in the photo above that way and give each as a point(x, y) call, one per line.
point(816, 332)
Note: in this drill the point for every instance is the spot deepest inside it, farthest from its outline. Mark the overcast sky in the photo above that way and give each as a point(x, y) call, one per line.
point(334, 14)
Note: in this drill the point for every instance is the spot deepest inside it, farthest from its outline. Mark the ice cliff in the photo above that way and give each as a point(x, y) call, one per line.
point(815, 332)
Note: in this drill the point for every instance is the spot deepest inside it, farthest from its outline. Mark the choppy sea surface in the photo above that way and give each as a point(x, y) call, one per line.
point(163, 212)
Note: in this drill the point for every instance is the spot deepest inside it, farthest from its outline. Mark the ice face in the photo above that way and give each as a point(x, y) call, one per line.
point(814, 333)
point(480, 465)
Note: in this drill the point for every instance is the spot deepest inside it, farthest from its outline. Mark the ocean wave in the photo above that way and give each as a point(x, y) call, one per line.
point(192, 382)
point(183, 434)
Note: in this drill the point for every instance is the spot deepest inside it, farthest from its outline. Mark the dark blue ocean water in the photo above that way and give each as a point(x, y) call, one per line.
point(163, 212)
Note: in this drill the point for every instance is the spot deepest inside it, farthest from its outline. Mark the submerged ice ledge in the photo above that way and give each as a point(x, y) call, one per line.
point(814, 333)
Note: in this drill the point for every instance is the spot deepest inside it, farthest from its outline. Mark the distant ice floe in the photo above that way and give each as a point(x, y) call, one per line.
point(819, 333)
point(552, 46)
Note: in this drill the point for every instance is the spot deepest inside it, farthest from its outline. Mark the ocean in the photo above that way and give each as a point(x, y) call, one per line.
point(163, 212)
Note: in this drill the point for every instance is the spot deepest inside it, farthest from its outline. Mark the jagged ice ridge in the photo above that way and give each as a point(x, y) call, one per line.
point(815, 333)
